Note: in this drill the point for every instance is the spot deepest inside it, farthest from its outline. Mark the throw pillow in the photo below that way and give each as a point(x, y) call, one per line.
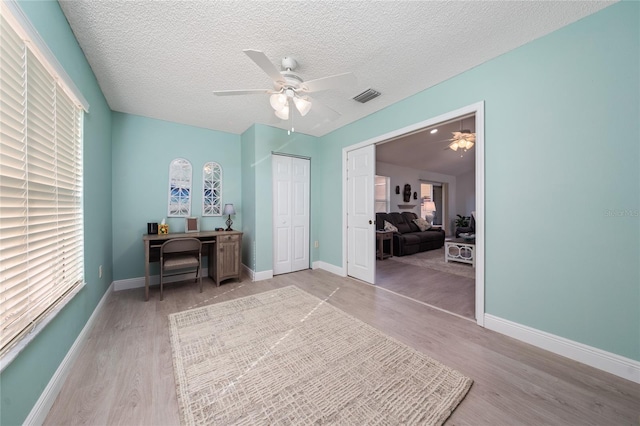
point(422, 224)
point(389, 227)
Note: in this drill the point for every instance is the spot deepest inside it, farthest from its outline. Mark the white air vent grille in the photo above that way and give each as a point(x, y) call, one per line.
point(366, 96)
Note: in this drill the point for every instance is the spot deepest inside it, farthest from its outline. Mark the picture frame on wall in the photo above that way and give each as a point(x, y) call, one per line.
point(191, 224)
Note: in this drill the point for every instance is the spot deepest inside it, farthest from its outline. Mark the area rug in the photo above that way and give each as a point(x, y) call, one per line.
point(434, 259)
point(286, 357)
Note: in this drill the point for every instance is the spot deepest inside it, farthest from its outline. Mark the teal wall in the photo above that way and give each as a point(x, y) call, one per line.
point(562, 196)
point(22, 382)
point(143, 148)
point(562, 188)
point(248, 158)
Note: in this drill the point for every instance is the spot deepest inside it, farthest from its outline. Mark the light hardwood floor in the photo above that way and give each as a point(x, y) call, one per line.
point(124, 373)
point(450, 292)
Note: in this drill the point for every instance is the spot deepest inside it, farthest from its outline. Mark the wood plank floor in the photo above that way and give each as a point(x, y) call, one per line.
point(450, 292)
point(124, 373)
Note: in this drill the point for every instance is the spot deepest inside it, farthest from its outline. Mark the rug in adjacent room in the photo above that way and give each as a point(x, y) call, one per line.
point(287, 357)
point(434, 259)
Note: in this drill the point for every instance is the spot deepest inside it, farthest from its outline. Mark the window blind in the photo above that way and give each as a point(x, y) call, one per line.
point(41, 224)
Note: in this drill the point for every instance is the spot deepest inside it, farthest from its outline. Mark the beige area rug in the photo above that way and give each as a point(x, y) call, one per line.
point(434, 259)
point(286, 357)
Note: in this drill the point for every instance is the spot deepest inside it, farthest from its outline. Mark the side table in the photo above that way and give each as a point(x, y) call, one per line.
point(460, 250)
point(381, 237)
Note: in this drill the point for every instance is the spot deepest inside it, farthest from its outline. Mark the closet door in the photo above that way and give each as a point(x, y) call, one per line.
point(290, 214)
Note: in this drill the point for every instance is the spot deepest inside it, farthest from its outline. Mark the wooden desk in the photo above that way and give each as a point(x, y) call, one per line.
point(381, 237)
point(224, 252)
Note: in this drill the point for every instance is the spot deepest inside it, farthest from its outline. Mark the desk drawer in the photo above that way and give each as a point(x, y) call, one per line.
point(225, 238)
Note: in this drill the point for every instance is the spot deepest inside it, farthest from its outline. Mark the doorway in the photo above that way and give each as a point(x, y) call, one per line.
point(475, 110)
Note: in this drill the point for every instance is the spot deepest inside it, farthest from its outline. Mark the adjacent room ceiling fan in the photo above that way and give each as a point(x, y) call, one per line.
point(289, 89)
point(462, 140)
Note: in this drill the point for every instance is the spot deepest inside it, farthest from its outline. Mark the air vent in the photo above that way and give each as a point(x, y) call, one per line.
point(366, 96)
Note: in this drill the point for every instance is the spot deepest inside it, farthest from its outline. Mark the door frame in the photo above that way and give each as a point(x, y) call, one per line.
point(477, 109)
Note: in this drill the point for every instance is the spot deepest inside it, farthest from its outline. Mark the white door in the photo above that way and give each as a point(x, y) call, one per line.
point(290, 214)
point(360, 215)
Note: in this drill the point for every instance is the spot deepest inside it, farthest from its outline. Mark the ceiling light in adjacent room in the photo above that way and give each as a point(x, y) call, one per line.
point(462, 140)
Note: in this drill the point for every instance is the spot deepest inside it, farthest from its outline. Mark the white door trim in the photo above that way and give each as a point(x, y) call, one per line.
point(477, 109)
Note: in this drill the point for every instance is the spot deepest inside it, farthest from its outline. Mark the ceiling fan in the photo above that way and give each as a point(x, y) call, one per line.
point(462, 140)
point(289, 89)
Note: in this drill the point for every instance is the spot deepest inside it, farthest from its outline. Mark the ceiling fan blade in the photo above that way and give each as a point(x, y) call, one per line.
point(265, 64)
point(324, 111)
point(338, 81)
point(242, 92)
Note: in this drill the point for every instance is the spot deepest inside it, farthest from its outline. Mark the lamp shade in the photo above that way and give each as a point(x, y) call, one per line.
point(430, 206)
point(283, 114)
point(278, 101)
point(302, 105)
point(228, 209)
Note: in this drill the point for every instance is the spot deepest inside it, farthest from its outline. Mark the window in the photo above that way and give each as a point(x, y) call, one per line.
point(426, 195)
point(41, 224)
point(382, 195)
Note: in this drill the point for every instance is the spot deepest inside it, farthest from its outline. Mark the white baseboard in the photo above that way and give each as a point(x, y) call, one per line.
point(50, 393)
point(248, 272)
point(611, 363)
point(256, 276)
point(263, 275)
point(138, 282)
point(338, 270)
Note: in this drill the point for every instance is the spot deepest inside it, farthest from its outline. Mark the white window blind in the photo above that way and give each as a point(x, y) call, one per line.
point(41, 224)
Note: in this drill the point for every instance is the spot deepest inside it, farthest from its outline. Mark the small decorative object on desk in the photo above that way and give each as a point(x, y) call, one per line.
point(163, 228)
point(191, 224)
point(152, 228)
point(467, 236)
point(229, 210)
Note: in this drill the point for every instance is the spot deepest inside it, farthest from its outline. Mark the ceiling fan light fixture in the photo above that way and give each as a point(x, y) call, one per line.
point(283, 113)
point(463, 139)
point(303, 105)
point(278, 101)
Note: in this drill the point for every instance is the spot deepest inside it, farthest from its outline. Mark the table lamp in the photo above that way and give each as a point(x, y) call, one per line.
point(229, 210)
point(430, 208)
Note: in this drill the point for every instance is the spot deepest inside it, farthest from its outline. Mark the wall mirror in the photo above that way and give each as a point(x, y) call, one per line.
point(212, 189)
point(179, 188)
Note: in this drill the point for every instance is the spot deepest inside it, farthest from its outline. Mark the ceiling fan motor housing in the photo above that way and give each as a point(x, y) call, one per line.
point(288, 63)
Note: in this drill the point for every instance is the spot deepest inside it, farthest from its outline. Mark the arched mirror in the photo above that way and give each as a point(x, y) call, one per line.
point(212, 189)
point(180, 188)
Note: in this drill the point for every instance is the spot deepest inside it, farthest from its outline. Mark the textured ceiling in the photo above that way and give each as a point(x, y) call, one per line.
point(163, 59)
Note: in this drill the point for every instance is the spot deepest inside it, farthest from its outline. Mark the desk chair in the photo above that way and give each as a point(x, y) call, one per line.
point(179, 256)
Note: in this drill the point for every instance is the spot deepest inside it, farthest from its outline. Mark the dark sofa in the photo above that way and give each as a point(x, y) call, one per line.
point(409, 239)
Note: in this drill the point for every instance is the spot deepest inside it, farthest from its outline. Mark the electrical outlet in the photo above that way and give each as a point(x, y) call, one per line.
point(316, 244)
point(100, 271)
